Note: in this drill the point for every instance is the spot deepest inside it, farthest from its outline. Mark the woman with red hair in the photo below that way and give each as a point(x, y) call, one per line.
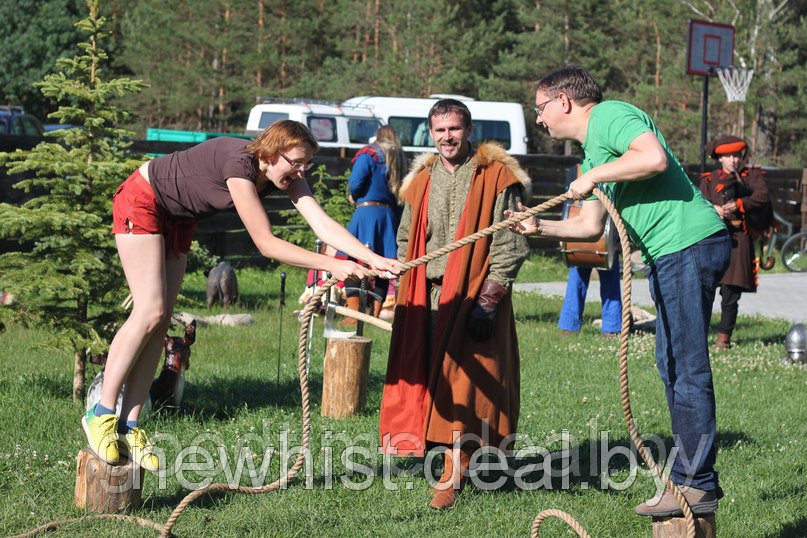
point(154, 216)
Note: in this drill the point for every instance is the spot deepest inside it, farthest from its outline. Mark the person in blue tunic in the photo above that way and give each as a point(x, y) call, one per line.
point(374, 183)
point(574, 302)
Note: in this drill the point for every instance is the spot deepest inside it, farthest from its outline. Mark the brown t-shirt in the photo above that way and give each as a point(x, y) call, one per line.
point(193, 183)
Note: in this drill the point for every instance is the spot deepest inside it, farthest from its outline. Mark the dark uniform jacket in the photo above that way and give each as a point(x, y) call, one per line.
point(751, 193)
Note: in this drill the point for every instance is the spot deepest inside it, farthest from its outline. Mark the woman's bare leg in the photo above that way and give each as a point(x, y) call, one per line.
point(141, 375)
point(143, 260)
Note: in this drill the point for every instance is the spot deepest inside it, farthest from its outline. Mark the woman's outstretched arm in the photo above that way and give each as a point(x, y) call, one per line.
point(253, 215)
point(333, 233)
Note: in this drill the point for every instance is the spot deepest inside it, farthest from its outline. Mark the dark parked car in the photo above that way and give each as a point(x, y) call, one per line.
point(14, 121)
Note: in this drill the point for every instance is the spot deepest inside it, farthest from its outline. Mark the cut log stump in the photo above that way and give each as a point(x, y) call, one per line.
point(101, 487)
point(676, 527)
point(344, 376)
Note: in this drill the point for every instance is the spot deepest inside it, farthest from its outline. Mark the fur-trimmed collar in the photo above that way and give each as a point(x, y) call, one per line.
point(486, 154)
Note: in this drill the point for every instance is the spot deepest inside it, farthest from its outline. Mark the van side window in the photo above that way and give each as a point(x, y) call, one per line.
point(492, 130)
point(412, 131)
point(268, 118)
point(360, 129)
point(323, 129)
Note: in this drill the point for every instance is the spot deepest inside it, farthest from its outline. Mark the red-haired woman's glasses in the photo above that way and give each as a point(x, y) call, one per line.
point(302, 167)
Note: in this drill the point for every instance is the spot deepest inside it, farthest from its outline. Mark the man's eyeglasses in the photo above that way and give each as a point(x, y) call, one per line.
point(539, 109)
point(302, 167)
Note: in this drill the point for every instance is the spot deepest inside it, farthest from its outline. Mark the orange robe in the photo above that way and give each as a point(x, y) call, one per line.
point(460, 386)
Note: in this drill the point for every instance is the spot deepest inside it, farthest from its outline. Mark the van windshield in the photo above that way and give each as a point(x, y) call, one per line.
point(415, 131)
point(361, 129)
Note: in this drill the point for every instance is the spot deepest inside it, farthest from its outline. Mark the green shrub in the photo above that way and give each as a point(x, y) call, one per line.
point(332, 194)
point(201, 259)
point(71, 280)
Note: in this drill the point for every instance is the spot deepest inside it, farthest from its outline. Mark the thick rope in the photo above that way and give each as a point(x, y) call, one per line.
point(308, 311)
point(630, 423)
point(47, 527)
point(624, 392)
point(560, 514)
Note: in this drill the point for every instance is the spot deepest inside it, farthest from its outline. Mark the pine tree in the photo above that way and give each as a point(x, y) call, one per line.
point(71, 280)
point(34, 36)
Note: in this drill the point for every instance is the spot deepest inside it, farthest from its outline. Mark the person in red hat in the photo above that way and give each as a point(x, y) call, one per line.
point(740, 196)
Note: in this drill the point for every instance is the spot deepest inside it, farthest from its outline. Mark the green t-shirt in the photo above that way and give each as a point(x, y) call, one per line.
point(664, 213)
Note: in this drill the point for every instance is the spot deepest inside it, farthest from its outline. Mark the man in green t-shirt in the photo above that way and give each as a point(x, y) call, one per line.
point(682, 239)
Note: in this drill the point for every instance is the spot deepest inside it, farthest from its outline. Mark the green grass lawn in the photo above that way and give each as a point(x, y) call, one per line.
point(551, 268)
point(571, 384)
point(538, 268)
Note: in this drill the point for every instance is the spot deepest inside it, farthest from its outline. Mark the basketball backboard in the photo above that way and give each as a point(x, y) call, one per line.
point(709, 44)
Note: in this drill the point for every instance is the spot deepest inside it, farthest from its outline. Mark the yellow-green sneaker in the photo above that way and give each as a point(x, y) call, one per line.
point(102, 435)
point(140, 450)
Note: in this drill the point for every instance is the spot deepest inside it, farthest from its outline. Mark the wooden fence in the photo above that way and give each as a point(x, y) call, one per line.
point(224, 234)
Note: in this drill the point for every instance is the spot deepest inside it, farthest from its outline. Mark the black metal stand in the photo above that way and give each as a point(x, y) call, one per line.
point(704, 121)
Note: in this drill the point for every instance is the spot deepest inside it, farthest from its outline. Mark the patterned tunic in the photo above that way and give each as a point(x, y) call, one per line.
point(448, 193)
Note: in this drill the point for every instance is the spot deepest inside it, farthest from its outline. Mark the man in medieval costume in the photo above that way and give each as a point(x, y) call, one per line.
point(452, 380)
point(739, 194)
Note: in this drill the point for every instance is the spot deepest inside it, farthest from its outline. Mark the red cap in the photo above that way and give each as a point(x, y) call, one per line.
point(726, 145)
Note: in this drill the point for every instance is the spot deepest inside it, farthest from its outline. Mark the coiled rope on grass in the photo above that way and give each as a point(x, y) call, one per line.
point(166, 528)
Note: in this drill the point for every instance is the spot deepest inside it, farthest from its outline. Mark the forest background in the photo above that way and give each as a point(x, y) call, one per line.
point(207, 61)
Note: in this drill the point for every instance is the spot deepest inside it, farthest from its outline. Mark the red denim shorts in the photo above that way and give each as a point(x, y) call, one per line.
point(135, 210)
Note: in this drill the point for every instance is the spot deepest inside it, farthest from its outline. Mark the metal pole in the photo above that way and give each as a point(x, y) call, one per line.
point(280, 334)
point(318, 250)
point(362, 301)
point(704, 121)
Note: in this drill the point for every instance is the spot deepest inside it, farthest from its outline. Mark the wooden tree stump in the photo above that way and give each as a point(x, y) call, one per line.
point(676, 527)
point(344, 377)
point(101, 487)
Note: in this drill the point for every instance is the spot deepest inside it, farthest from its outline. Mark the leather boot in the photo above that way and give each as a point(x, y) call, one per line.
point(451, 483)
point(665, 505)
point(723, 341)
point(353, 304)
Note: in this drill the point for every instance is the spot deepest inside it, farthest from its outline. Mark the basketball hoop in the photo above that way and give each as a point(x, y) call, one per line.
point(735, 81)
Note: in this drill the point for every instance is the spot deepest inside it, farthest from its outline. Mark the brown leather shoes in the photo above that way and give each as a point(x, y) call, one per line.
point(700, 502)
point(353, 304)
point(444, 495)
point(444, 499)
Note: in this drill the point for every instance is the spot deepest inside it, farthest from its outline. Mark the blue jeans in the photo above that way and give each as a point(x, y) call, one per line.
point(571, 315)
point(683, 286)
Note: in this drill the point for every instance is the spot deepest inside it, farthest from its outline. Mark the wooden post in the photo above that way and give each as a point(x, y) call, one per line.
point(101, 487)
point(676, 527)
point(344, 377)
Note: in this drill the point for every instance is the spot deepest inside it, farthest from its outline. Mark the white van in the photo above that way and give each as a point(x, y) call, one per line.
point(332, 124)
point(492, 120)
